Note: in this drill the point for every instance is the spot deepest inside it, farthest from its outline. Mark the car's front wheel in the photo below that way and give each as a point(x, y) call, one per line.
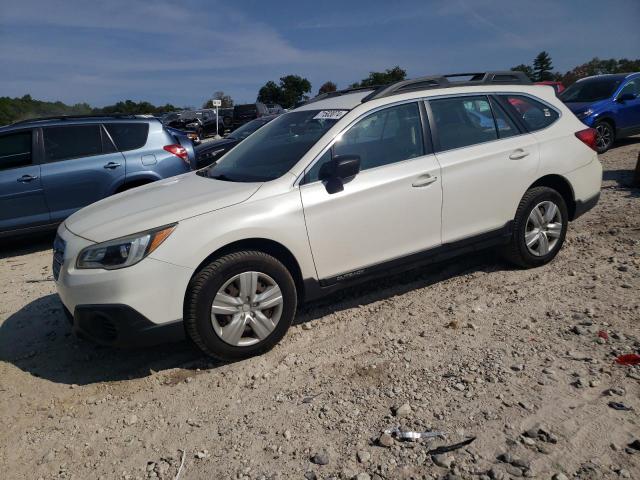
point(240, 305)
point(605, 135)
point(539, 228)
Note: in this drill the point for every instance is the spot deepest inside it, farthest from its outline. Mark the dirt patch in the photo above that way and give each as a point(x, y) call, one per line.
point(525, 371)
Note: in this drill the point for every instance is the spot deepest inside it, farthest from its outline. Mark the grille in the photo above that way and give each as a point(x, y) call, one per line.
point(59, 246)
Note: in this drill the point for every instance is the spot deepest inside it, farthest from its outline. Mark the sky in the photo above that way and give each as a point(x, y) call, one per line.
point(182, 51)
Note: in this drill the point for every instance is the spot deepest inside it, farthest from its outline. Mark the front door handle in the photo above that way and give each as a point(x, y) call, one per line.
point(112, 165)
point(518, 154)
point(27, 178)
point(424, 180)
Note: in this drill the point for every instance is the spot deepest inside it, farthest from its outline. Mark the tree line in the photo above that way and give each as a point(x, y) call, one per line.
point(291, 90)
point(542, 69)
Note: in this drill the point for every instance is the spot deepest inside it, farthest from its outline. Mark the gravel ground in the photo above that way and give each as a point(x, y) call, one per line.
point(472, 348)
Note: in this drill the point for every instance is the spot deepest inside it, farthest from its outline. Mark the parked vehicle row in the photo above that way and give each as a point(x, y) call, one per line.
point(199, 124)
point(196, 124)
point(49, 168)
point(352, 185)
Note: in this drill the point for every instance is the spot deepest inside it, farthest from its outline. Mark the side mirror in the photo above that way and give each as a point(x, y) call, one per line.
point(340, 167)
point(625, 97)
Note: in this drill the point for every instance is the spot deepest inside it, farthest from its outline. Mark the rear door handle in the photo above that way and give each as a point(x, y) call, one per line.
point(518, 154)
point(424, 180)
point(112, 165)
point(27, 178)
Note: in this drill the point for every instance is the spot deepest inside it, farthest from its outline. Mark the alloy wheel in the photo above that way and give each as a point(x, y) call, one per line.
point(543, 229)
point(246, 309)
point(604, 136)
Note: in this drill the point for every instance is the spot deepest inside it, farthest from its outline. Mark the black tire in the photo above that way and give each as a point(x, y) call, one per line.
point(205, 285)
point(606, 135)
point(517, 251)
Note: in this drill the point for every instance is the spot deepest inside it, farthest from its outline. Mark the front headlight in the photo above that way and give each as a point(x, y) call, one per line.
point(586, 113)
point(125, 251)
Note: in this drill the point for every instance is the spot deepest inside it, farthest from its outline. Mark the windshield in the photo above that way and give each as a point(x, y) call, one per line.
point(247, 129)
point(590, 90)
point(273, 150)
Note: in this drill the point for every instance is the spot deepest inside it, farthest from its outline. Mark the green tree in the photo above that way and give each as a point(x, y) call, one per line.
point(327, 87)
point(524, 68)
point(270, 93)
point(227, 101)
point(542, 67)
point(291, 90)
point(294, 90)
point(390, 75)
point(597, 66)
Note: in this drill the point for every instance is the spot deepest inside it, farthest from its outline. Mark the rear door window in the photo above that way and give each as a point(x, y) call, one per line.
point(463, 121)
point(128, 136)
point(534, 114)
point(73, 141)
point(15, 150)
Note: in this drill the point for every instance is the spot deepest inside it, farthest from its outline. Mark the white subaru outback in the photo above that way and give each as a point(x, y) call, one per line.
point(351, 185)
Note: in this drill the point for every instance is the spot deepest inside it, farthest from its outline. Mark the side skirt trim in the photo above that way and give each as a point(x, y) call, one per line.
point(483, 241)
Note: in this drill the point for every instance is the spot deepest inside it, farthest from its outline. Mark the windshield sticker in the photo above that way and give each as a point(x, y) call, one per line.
point(330, 114)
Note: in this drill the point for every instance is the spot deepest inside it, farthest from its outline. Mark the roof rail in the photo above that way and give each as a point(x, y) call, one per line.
point(337, 93)
point(507, 77)
point(80, 117)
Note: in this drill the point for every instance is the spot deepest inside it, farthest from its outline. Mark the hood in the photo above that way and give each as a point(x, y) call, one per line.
point(156, 204)
point(579, 107)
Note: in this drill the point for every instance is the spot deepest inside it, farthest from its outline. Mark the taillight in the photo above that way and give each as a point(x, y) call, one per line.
point(588, 137)
point(179, 151)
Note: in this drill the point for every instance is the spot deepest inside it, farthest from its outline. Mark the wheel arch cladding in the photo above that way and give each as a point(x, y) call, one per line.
point(608, 118)
point(127, 185)
point(562, 186)
point(265, 245)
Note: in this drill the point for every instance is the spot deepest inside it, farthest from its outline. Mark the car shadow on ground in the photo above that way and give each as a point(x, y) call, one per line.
point(15, 246)
point(624, 181)
point(37, 339)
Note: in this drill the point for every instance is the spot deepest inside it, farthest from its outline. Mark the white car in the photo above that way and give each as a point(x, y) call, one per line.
point(354, 184)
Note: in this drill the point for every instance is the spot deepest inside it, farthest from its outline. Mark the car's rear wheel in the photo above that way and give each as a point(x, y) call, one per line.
point(605, 136)
point(240, 305)
point(539, 228)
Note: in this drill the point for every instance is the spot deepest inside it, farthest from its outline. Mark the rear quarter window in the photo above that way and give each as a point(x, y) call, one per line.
point(128, 136)
point(534, 114)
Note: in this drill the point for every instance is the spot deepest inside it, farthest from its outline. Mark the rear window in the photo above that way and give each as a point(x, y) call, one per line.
point(128, 136)
point(15, 150)
point(62, 143)
point(535, 115)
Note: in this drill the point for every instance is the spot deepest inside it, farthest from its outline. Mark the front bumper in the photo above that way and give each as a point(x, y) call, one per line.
point(133, 306)
point(121, 326)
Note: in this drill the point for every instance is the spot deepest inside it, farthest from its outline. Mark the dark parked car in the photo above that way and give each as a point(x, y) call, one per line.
point(49, 168)
point(226, 114)
point(247, 112)
point(209, 152)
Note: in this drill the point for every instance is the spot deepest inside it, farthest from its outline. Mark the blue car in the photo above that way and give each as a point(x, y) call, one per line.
point(49, 168)
point(608, 103)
